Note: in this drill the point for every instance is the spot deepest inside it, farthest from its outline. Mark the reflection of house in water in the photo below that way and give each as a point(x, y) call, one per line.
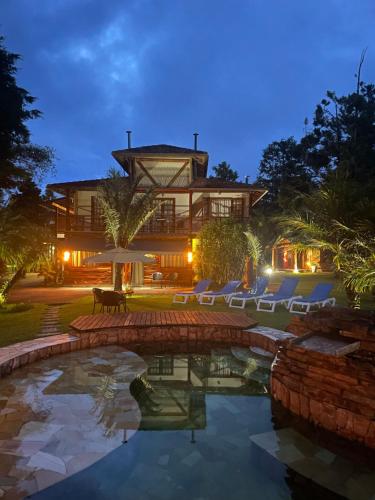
point(172, 395)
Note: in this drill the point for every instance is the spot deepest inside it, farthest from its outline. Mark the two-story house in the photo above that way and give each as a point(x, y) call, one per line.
point(190, 198)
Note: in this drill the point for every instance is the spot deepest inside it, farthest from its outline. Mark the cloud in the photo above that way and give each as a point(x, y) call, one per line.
point(242, 73)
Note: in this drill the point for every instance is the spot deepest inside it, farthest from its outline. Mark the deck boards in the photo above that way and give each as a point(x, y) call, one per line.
point(161, 318)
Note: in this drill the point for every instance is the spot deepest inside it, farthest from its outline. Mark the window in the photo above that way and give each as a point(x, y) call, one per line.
point(162, 365)
point(226, 207)
point(96, 215)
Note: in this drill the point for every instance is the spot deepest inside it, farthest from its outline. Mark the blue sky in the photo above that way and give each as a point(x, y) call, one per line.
point(242, 73)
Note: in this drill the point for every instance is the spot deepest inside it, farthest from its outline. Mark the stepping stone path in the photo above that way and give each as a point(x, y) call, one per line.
point(50, 321)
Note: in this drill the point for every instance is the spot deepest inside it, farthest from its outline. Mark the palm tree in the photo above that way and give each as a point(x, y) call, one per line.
point(125, 210)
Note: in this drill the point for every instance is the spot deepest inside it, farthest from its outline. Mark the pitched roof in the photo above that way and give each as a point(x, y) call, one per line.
point(162, 149)
point(62, 186)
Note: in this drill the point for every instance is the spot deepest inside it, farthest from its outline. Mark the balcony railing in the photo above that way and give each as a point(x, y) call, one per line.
point(177, 221)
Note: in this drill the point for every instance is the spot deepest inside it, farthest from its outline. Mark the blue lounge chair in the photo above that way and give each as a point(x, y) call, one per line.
point(239, 300)
point(208, 298)
point(318, 297)
point(285, 295)
point(200, 287)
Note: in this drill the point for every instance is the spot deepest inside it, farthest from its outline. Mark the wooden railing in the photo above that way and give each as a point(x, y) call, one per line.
point(177, 221)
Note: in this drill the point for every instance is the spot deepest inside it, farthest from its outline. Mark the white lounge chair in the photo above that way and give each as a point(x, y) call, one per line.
point(285, 295)
point(318, 297)
point(239, 300)
point(208, 298)
point(183, 297)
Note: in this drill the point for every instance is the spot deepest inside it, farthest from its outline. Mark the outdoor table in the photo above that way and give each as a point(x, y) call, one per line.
point(124, 296)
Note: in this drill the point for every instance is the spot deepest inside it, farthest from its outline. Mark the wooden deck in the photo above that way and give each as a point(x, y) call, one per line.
point(161, 318)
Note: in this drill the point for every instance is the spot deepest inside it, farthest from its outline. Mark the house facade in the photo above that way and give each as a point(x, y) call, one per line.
point(189, 200)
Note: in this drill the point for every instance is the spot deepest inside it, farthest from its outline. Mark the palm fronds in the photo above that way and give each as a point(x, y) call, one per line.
point(125, 209)
point(254, 246)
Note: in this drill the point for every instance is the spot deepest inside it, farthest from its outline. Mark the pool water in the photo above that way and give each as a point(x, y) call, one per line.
point(164, 422)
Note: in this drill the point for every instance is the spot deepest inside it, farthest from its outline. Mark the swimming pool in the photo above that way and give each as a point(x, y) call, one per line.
point(164, 421)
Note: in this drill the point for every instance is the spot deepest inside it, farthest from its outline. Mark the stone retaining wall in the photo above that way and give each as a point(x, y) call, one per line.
point(337, 393)
point(23, 353)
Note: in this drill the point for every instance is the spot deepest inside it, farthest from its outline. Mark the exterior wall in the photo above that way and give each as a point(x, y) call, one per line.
point(163, 171)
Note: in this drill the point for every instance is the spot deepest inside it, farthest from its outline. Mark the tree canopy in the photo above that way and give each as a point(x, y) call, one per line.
point(225, 172)
point(19, 158)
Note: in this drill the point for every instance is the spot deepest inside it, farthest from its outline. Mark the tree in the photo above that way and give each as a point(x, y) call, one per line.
point(283, 172)
point(333, 219)
point(124, 211)
point(224, 171)
point(223, 249)
point(344, 136)
point(19, 159)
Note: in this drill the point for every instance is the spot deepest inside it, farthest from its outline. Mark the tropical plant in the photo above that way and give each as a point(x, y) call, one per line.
point(334, 220)
point(222, 250)
point(125, 209)
point(255, 253)
point(359, 268)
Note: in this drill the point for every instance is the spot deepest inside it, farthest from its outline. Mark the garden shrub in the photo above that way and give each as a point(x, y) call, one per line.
point(222, 251)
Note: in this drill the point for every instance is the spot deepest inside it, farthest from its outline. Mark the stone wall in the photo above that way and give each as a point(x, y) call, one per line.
point(23, 353)
point(334, 392)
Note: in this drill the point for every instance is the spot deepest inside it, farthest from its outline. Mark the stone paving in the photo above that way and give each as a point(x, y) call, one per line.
point(318, 464)
point(50, 321)
point(61, 415)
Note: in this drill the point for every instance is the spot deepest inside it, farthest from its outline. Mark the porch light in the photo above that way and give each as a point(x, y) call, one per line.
point(66, 255)
point(190, 257)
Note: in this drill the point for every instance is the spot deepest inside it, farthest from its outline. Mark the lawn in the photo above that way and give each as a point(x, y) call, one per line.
point(25, 325)
point(19, 326)
point(279, 319)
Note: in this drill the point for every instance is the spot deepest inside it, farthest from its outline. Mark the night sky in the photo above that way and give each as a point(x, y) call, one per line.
point(242, 73)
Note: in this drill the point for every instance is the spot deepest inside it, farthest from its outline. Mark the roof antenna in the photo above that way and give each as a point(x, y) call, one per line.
point(129, 132)
point(195, 140)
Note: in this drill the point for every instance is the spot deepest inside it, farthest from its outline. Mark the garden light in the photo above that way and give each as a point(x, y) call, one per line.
point(268, 270)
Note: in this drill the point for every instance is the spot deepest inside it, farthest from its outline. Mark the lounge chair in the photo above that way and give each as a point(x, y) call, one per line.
point(318, 297)
point(200, 287)
point(208, 298)
point(239, 300)
point(285, 295)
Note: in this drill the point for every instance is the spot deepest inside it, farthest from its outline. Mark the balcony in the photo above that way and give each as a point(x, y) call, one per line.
point(167, 220)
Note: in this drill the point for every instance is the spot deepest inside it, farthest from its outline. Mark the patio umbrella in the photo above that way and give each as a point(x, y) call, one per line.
point(119, 255)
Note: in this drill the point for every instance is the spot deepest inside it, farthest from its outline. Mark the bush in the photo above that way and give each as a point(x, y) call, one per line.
point(17, 308)
point(222, 251)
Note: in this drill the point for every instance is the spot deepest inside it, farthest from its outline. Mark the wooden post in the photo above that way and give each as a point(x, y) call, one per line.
point(67, 205)
point(190, 212)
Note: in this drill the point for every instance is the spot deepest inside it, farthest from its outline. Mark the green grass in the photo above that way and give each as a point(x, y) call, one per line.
point(279, 319)
point(20, 326)
point(25, 325)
